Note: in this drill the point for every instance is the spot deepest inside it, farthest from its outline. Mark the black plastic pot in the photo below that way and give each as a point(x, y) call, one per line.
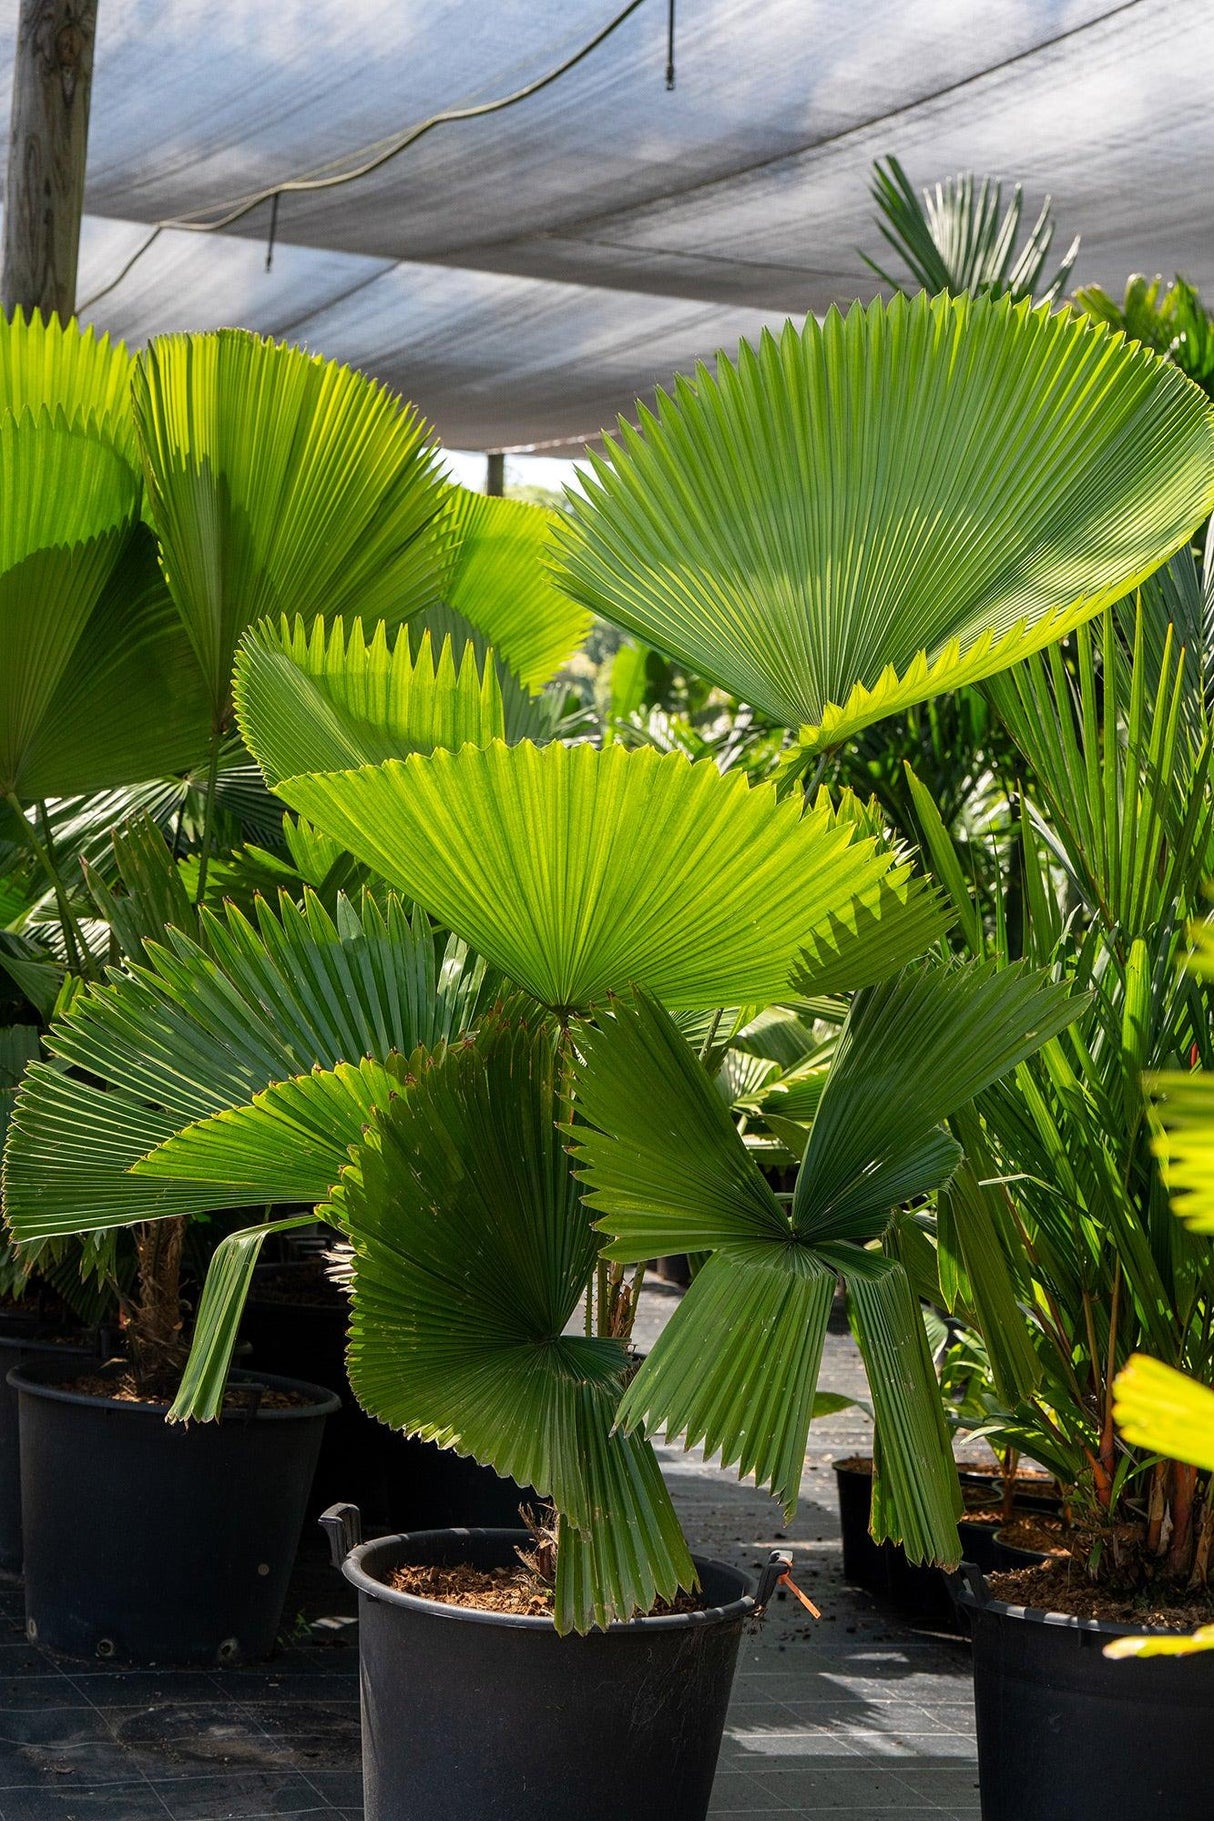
point(978, 1543)
point(395, 1481)
point(24, 1341)
point(489, 1715)
point(1005, 1556)
point(917, 1591)
point(1066, 1735)
point(160, 1543)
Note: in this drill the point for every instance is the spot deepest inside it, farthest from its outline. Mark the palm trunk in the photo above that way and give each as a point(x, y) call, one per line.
point(153, 1319)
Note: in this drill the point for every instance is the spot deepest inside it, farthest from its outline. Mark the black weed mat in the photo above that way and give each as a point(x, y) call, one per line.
point(83, 1741)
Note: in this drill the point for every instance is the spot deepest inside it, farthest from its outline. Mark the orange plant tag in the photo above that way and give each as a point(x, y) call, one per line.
point(786, 1580)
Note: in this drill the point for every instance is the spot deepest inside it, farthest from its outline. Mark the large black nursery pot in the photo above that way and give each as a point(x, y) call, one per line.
point(1064, 1734)
point(916, 1590)
point(152, 1542)
point(295, 1323)
point(467, 1713)
point(25, 1340)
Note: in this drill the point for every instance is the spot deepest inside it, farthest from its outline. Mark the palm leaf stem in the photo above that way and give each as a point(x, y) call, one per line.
point(77, 948)
point(208, 809)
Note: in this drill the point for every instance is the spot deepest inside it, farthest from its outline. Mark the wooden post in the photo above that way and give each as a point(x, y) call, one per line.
point(495, 473)
point(44, 185)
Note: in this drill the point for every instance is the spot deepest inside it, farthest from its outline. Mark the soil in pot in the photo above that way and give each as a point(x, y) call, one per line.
point(156, 1543)
point(468, 1712)
point(511, 1589)
point(1065, 1733)
point(1061, 1585)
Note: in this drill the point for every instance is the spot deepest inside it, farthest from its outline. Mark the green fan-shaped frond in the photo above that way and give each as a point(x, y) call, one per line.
point(666, 1170)
point(205, 1026)
point(97, 683)
point(471, 1250)
point(130, 703)
point(278, 483)
point(501, 582)
point(859, 514)
point(333, 700)
point(46, 364)
point(577, 871)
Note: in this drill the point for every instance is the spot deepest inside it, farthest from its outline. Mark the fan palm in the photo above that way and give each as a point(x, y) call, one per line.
point(1059, 1247)
point(957, 237)
point(851, 518)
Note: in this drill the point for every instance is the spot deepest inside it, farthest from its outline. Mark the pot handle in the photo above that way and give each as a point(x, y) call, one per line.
point(774, 1569)
point(343, 1525)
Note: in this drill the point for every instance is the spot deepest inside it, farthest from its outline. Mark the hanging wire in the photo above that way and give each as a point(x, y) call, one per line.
point(273, 230)
point(670, 45)
point(372, 159)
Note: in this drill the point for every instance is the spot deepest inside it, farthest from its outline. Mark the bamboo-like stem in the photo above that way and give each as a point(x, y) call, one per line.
point(208, 811)
point(79, 957)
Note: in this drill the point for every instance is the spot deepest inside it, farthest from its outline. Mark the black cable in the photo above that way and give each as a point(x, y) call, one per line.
point(273, 230)
point(238, 207)
point(670, 45)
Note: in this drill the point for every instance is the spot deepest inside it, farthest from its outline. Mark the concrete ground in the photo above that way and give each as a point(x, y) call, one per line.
point(854, 1716)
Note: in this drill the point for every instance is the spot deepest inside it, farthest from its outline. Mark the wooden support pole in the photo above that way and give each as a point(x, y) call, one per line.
point(44, 184)
point(495, 473)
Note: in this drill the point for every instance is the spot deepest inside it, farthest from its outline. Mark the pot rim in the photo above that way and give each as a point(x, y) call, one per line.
point(354, 1571)
point(39, 1381)
point(970, 1589)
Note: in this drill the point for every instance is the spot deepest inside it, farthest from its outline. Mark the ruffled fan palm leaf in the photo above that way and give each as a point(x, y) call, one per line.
point(471, 1251)
point(205, 1026)
point(280, 482)
point(499, 580)
point(666, 1171)
point(577, 871)
point(49, 365)
point(333, 700)
point(97, 687)
point(857, 515)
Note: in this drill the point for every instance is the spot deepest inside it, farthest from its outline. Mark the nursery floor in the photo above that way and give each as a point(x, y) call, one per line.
point(855, 1717)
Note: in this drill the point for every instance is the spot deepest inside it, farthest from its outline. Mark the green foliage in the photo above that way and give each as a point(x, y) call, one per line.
point(279, 482)
point(578, 871)
point(499, 581)
point(1066, 1219)
point(667, 1171)
point(787, 527)
point(334, 700)
point(1171, 319)
point(957, 236)
point(205, 1025)
point(459, 1322)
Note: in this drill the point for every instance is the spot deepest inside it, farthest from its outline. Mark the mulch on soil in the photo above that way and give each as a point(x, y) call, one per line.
point(515, 1589)
point(1060, 1585)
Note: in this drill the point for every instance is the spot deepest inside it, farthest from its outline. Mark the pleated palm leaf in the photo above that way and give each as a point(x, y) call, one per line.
point(49, 365)
point(847, 519)
point(666, 1171)
point(578, 871)
point(279, 482)
point(336, 699)
point(957, 236)
point(500, 583)
point(96, 686)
